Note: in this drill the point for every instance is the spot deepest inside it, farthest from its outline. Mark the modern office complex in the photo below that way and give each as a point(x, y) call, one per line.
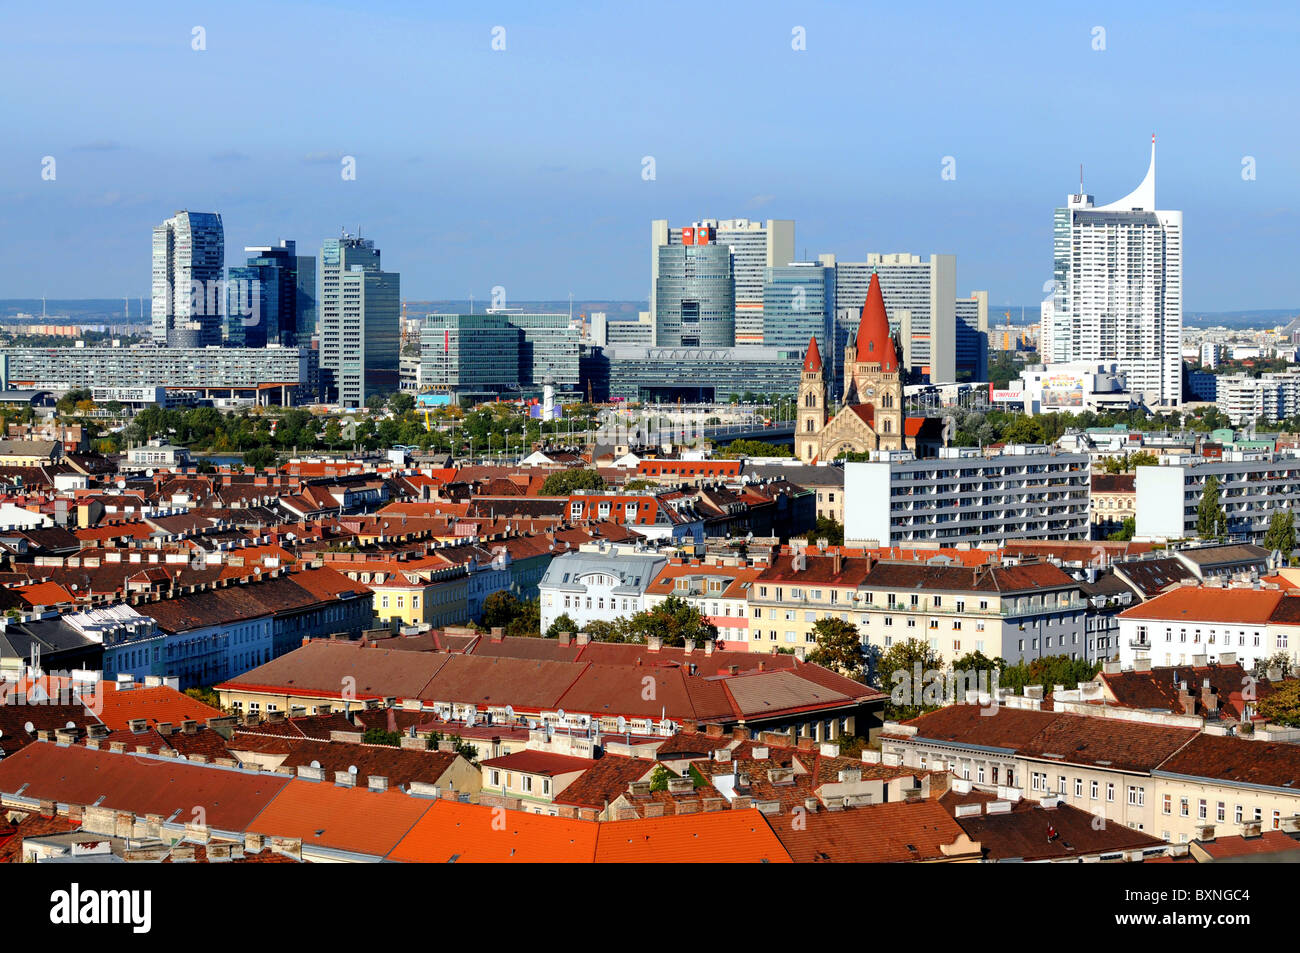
point(486, 355)
point(1271, 397)
point(269, 375)
point(473, 355)
point(1118, 289)
point(1253, 485)
point(548, 349)
point(697, 374)
point(694, 296)
point(189, 258)
point(360, 321)
point(755, 247)
point(272, 298)
point(944, 338)
point(798, 304)
point(963, 496)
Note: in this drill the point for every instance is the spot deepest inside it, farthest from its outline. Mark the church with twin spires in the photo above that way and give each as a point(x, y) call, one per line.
point(871, 415)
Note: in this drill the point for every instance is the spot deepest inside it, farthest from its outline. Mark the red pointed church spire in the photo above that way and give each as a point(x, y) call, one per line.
point(874, 343)
point(812, 362)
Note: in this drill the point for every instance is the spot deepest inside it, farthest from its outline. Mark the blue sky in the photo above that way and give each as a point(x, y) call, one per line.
point(522, 167)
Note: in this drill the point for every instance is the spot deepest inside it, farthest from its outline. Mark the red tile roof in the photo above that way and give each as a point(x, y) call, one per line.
point(474, 834)
point(141, 784)
point(352, 819)
point(727, 837)
point(897, 832)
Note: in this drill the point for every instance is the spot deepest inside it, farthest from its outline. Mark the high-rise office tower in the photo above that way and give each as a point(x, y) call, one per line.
point(262, 297)
point(1118, 289)
point(360, 322)
point(921, 298)
point(755, 247)
point(189, 258)
point(694, 294)
point(798, 304)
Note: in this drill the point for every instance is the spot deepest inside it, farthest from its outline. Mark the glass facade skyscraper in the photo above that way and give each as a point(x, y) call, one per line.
point(188, 295)
point(360, 322)
point(798, 304)
point(262, 298)
point(695, 296)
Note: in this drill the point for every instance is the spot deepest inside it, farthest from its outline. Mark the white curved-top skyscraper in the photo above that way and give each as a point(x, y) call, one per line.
point(189, 260)
point(1118, 292)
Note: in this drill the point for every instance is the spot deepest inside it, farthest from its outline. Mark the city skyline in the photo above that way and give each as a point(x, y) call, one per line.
point(437, 182)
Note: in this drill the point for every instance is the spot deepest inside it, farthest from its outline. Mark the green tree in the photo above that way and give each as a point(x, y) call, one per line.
point(754, 448)
point(1281, 533)
point(1025, 430)
point(827, 529)
point(400, 403)
point(896, 672)
point(563, 623)
point(260, 458)
point(839, 647)
point(599, 630)
point(378, 736)
point(1126, 530)
point(674, 620)
point(1048, 672)
point(1211, 521)
point(528, 621)
point(1282, 706)
point(564, 482)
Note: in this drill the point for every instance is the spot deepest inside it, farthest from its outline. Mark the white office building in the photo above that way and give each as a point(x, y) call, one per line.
point(1253, 485)
point(963, 496)
point(1118, 289)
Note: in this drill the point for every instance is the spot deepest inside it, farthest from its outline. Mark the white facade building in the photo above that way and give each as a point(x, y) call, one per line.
point(599, 582)
point(1253, 485)
point(1118, 289)
point(1246, 399)
point(963, 496)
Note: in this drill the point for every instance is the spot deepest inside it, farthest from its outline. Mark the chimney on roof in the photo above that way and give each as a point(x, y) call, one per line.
point(566, 638)
point(1209, 697)
point(498, 633)
point(654, 643)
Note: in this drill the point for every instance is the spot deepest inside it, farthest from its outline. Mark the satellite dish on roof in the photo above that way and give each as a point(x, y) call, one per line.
point(71, 724)
point(532, 725)
point(510, 711)
point(665, 724)
point(622, 723)
point(469, 718)
point(560, 714)
point(352, 770)
point(29, 728)
point(316, 764)
point(121, 484)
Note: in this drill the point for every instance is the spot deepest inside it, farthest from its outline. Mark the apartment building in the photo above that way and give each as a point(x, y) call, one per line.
point(1252, 624)
point(1018, 613)
point(717, 589)
point(789, 597)
point(966, 496)
point(599, 582)
point(1253, 485)
point(409, 591)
